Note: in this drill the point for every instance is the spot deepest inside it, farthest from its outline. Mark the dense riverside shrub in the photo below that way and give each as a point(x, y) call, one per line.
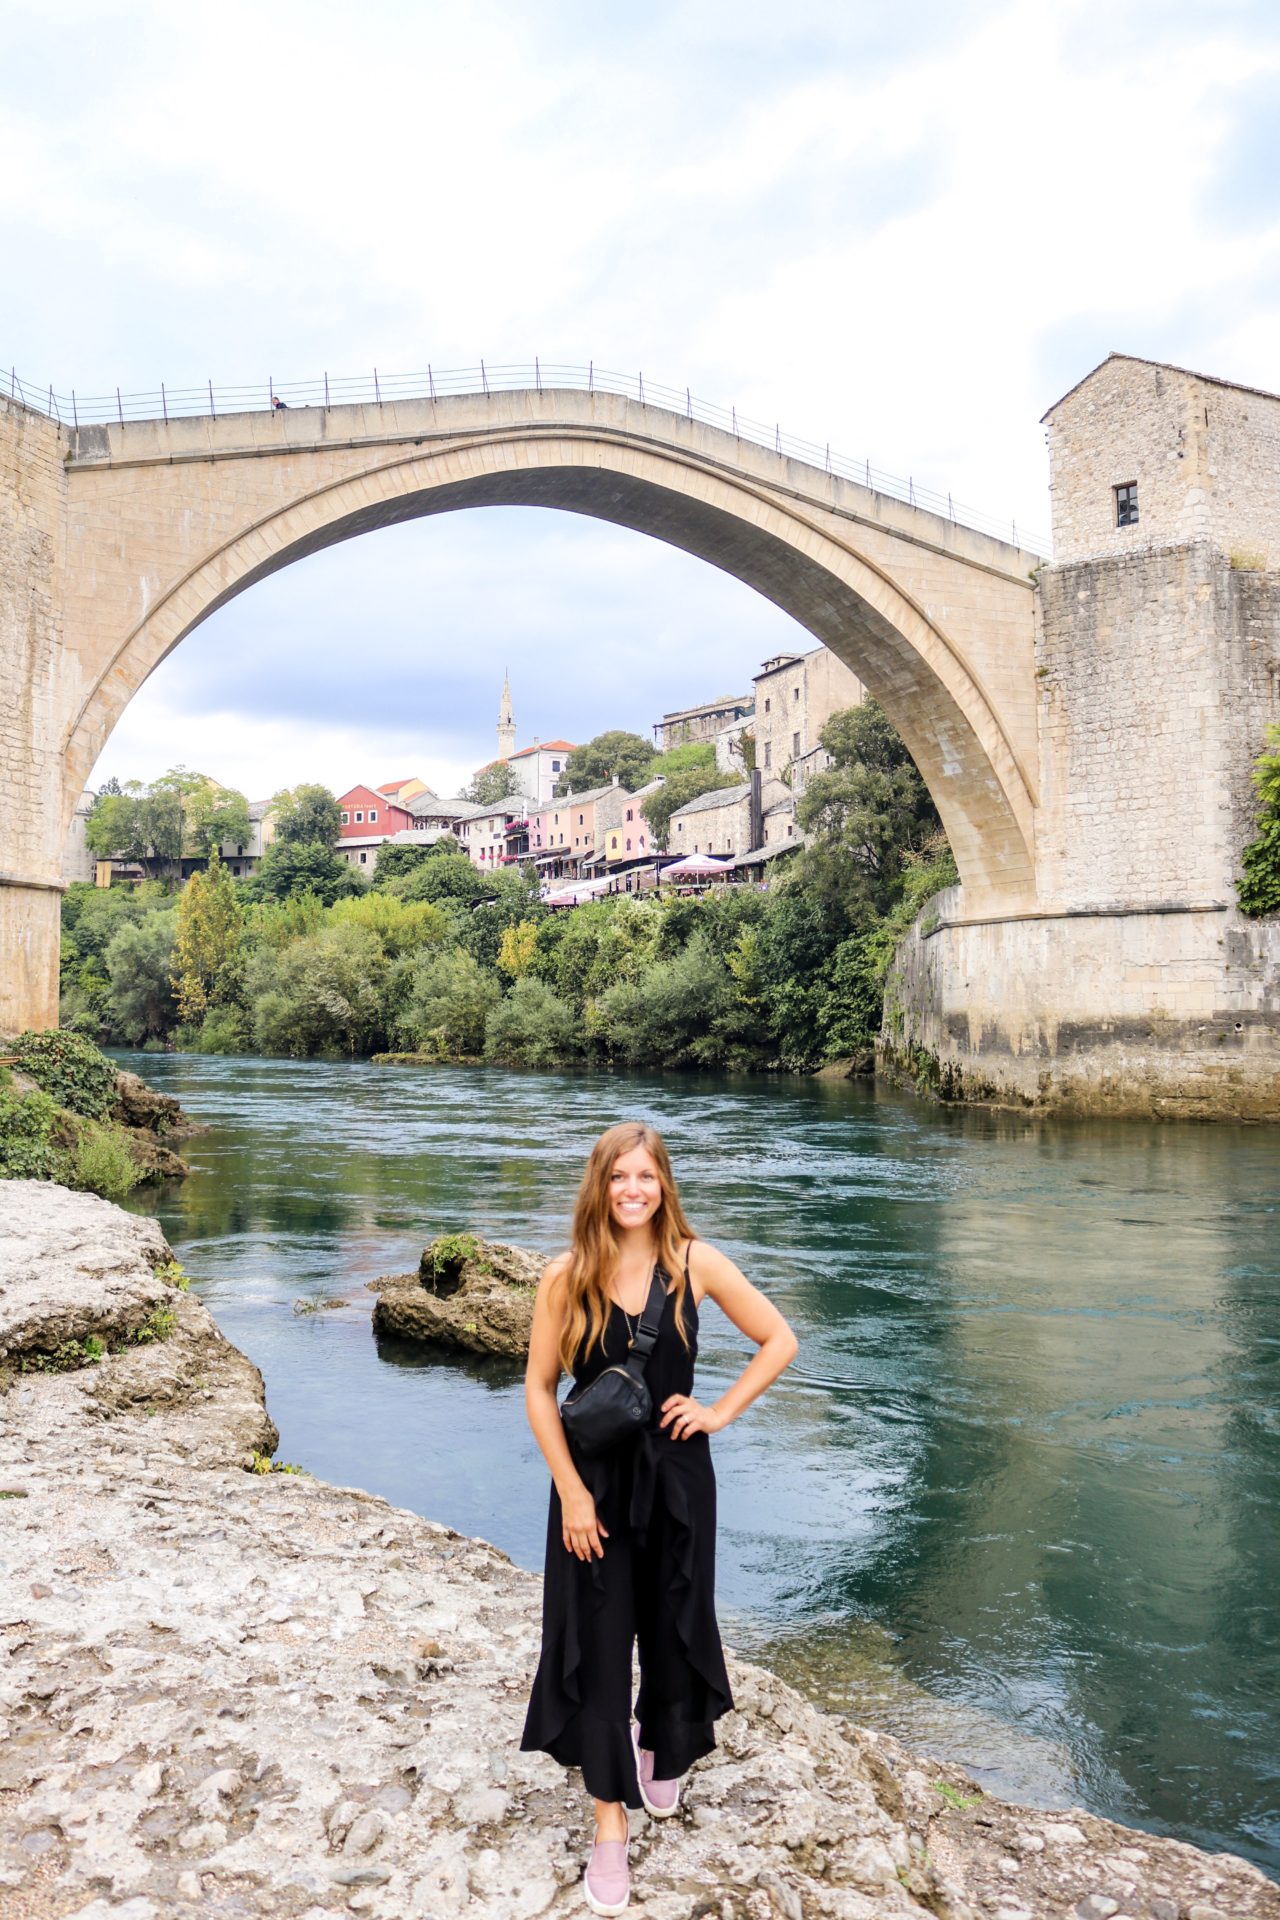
point(27, 1151)
point(69, 1069)
point(533, 1027)
point(447, 1003)
point(141, 1003)
point(321, 995)
point(672, 1015)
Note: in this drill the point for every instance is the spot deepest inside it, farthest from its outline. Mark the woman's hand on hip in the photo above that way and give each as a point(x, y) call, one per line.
point(581, 1529)
point(687, 1416)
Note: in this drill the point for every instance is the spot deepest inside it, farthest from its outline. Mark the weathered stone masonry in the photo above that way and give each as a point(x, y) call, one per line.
point(1135, 985)
point(32, 514)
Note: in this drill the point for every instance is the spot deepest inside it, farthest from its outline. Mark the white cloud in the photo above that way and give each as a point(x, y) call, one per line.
point(904, 233)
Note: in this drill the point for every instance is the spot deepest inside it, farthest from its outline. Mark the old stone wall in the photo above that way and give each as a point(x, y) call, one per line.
point(1157, 675)
point(1203, 454)
point(33, 673)
point(1135, 986)
point(1141, 1014)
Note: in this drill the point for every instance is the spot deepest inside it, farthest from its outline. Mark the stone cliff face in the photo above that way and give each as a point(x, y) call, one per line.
point(258, 1694)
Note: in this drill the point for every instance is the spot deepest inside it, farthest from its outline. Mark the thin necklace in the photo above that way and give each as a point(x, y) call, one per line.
point(631, 1331)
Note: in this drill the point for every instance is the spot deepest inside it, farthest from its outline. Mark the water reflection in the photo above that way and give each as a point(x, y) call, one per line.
point(1016, 1500)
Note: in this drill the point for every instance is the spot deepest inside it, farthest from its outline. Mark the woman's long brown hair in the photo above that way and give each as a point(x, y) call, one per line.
point(593, 1256)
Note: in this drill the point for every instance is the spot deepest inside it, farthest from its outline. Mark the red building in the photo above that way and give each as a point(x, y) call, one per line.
point(369, 815)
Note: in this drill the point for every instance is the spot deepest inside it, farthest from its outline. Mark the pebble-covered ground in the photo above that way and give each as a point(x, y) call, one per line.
point(234, 1693)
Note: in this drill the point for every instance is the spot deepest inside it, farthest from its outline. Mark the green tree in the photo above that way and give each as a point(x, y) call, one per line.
point(402, 926)
point(117, 827)
point(867, 811)
point(139, 964)
point(629, 755)
point(321, 994)
point(1259, 889)
point(532, 1027)
point(677, 791)
point(491, 784)
point(207, 952)
point(509, 898)
point(305, 815)
point(293, 867)
point(851, 1009)
point(450, 997)
point(180, 813)
point(213, 816)
point(397, 863)
point(444, 877)
point(797, 937)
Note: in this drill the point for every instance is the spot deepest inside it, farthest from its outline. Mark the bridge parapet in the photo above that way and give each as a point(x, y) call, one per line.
point(382, 390)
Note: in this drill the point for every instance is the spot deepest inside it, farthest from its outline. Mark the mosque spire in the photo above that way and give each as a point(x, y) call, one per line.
point(506, 721)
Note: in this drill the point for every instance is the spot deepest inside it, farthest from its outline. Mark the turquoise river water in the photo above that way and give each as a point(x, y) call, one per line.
point(1018, 1499)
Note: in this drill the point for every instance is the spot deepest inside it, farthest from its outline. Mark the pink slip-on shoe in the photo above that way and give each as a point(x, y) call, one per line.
point(606, 1884)
point(661, 1797)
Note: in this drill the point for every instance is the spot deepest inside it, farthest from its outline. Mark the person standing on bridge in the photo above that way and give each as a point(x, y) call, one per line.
point(631, 1528)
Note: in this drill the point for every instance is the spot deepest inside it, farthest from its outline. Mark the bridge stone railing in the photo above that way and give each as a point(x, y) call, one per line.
point(74, 409)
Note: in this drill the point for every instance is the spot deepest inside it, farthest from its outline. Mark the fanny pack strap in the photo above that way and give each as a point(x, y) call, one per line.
point(647, 1331)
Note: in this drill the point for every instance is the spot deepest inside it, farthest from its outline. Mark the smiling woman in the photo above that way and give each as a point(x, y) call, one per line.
point(631, 1525)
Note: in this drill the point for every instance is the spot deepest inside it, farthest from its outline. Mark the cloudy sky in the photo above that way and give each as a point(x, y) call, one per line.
point(902, 230)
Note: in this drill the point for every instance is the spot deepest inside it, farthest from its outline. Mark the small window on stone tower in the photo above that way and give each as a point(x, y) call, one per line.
point(1127, 504)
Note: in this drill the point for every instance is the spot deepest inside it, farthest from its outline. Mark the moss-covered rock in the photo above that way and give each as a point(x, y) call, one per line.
point(468, 1293)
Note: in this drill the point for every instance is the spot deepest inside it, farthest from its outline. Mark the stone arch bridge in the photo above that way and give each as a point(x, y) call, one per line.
point(119, 539)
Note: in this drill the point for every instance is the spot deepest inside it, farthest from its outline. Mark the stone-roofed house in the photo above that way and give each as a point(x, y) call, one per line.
point(725, 822)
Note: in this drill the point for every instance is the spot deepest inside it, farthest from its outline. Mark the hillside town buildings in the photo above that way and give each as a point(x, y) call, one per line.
point(590, 836)
point(722, 723)
point(730, 822)
point(795, 695)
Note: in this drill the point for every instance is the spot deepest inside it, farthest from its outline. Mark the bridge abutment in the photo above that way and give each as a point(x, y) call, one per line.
point(1158, 1014)
point(34, 672)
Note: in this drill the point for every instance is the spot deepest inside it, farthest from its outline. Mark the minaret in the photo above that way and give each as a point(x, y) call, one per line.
point(506, 722)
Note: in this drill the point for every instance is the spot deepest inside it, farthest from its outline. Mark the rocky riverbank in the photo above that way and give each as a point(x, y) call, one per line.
point(253, 1693)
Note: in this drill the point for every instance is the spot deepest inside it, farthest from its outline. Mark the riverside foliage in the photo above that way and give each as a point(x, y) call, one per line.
point(1259, 887)
point(444, 963)
point(55, 1116)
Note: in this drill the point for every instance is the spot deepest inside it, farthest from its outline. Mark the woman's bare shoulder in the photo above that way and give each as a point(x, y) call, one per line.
point(555, 1272)
point(709, 1269)
point(706, 1264)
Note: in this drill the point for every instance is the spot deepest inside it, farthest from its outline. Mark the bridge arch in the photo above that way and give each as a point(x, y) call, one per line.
point(907, 630)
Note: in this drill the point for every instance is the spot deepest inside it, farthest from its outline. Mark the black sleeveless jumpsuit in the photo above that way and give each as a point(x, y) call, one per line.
point(656, 1582)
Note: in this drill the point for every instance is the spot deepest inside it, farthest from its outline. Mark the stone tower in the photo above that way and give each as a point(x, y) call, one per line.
point(1134, 984)
point(506, 721)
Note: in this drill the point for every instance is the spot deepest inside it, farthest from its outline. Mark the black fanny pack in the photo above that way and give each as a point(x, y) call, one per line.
point(617, 1402)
